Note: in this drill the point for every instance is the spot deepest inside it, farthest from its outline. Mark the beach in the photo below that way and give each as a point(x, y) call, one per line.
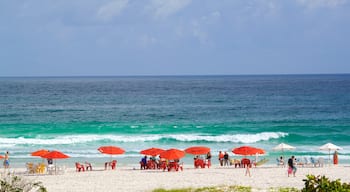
point(78, 115)
point(131, 178)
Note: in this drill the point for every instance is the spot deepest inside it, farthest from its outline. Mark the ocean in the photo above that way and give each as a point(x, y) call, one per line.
point(76, 115)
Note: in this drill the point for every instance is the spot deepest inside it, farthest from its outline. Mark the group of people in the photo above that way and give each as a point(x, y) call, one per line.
point(224, 158)
point(292, 161)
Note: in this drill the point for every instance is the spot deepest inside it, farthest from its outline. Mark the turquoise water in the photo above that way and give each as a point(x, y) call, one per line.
point(78, 114)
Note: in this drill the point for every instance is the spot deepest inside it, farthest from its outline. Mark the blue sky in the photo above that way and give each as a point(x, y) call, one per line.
point(173, 37)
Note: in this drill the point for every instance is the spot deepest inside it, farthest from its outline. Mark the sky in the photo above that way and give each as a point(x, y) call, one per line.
point(173, 37)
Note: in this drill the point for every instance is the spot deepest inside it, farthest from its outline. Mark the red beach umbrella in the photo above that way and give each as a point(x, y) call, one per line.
point(152, 151)
point(55, 155)
point(172, 154)
point(247, 150)
point(197, 150)
point(111, 150)
point(40, 153)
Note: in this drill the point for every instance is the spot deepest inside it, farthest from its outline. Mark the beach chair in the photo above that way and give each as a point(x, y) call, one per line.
point(41, 168)
point(321, 161)
point(306, 161)
point(207, 163)
point(79, 167)
point(88, 166)
point(314, 163)
point(261, 162)
point(175, 166)
point(151, 164)
point(162, 165)
point(199, 163)
point(30, 168)
point(111, 164)
point(245, 162)
point(235, 162)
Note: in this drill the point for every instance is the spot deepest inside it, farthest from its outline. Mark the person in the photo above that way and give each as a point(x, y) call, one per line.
point(221, 158)
point(291, 167)
point(208, 158)
point(226, 159)
point(335, 158)
point(143, 162)
point(49, 162)
point(6, 160)
point(247, 171)
point(281, 161)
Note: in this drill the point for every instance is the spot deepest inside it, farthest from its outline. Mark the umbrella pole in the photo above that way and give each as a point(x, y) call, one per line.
point(329, 157)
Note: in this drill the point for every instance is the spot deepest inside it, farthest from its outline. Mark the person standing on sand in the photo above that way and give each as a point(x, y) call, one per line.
point(6, 160)
point(226, 159)
point(291, 167)
point(221, 158)
point(208, 158)
point(335, 158)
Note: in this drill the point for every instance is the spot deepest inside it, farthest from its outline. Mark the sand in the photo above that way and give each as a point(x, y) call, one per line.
point(130, 178)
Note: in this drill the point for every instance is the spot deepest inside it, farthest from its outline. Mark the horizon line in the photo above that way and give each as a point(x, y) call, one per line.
point(174, 75)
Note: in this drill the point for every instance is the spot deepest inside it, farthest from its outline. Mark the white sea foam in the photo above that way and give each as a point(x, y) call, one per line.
point(81, 139)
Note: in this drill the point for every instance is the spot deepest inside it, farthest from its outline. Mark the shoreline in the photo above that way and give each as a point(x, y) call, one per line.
point(127, 178)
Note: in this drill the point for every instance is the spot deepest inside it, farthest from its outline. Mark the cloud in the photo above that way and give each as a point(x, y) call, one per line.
point(111, 9)
point(312, 4)
point(165, 8)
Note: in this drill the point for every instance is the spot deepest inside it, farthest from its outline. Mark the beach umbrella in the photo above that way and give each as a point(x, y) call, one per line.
point(172, 154)
point(330, 147)
point(40, 153)
point(248, 150)
point(197, 150)
point(152, 151)
point(55, 155)
point(111, 150)
point(283, 147)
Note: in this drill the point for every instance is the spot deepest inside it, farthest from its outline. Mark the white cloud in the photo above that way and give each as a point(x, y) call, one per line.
point(312, 4)
point(165, 8)
point(111, 9)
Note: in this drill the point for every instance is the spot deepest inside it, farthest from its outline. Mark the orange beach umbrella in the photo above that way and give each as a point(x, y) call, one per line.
point(172, 154)
point(152, 151)
point(40, 153)
point(197, 150)
point(247, 150)
point(111, 150)
point(55, 155)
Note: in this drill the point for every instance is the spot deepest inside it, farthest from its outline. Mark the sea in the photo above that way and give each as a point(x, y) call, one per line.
point(77, 115)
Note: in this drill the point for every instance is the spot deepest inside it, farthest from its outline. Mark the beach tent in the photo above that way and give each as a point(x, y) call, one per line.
point(330, 147)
